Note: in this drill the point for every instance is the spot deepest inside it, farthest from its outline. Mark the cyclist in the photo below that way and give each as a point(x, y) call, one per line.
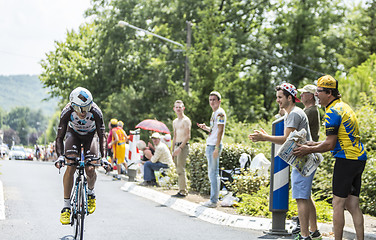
point(80, 119)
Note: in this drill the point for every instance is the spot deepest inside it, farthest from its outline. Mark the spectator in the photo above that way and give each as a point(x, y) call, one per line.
point(214, 145)
point(112, 124)
point(146, 151)
point(343, 140)
point(311, 110)
point(182, 133)
point(166, 139)
point(161, 159)
point(119, 139)
point(295, 119)
point(37, 152)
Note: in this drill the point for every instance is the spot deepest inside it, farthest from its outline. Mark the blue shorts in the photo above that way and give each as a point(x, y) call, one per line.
point(301, 186)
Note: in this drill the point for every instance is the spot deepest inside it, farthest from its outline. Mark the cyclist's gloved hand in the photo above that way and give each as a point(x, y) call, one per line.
point(59, 163)
point(106, 164)
point(104, 161)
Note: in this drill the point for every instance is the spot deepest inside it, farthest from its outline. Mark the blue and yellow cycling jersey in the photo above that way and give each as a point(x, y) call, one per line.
point(340, 120)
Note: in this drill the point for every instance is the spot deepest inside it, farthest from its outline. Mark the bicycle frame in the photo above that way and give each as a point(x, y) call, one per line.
point(79, 196)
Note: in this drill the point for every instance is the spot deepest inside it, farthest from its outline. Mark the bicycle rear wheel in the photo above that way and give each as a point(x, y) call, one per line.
point(80, 214)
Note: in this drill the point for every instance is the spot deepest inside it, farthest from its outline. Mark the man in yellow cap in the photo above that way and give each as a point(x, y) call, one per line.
point(119, 139)
point(112, 124)
point(343, 140)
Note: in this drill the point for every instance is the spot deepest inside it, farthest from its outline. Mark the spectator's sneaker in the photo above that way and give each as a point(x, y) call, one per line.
point(209, 204)
point(145, 183)
point(116, 178)
point(154, 183)
point(299, 237)
point(65, 216)
point(316, 235)
point(296, 230)
point(91, 204)
point(179, 195)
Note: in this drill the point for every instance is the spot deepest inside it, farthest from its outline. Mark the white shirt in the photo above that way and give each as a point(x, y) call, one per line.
point(218, 117)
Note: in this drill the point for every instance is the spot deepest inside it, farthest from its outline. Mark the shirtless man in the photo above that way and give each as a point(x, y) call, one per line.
point(182, 133)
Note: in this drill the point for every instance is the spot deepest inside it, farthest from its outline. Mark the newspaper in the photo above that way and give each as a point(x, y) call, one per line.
point(305, 165)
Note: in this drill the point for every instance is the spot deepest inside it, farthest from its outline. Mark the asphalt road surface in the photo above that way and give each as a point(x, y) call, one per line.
point(33, 195)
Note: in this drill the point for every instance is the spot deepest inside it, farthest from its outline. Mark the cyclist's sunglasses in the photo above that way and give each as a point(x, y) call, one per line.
point(80, 109)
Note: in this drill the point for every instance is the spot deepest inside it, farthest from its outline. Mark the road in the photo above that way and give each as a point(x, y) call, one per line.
point(33, 200)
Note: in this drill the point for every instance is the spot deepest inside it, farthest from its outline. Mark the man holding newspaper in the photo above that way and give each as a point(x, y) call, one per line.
point(295, 119)
point(343, 140)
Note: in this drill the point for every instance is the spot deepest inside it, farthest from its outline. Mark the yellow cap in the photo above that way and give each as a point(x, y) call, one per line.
point(120, 123)
point(327, 81)
point(114, 121)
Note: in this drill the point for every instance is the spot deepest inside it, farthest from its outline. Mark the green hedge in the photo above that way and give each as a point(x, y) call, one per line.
point(197, 169)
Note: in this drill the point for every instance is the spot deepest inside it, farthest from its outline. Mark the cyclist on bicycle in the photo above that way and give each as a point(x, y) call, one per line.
point(80, 119)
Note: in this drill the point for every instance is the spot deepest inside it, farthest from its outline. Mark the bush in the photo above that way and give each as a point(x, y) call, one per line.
point(247, 182)
point(324, 210)
point(197, 168)
point(257, 204)
point(322, 182)
point(368, 191)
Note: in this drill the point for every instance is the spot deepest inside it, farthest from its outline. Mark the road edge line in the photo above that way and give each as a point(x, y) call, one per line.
point(2, 202)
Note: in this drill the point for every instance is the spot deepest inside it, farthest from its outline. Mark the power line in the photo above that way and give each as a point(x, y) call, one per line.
point(285, 61)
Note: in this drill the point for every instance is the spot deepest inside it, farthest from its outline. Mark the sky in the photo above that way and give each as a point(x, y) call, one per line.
point(28, 29)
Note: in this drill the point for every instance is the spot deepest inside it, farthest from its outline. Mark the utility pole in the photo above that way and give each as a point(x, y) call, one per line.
point(187, 70)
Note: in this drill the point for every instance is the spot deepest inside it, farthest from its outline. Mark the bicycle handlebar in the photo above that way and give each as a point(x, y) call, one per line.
point(88, 161)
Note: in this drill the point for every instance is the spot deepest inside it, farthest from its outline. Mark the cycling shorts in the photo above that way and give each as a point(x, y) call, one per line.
point(73, 142)
point(347, 177)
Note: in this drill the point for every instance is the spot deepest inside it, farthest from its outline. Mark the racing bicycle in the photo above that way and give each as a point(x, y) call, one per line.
point(79, 196)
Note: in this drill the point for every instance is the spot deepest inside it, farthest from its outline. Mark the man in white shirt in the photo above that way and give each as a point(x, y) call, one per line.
point(214, 145)
point(161, 159)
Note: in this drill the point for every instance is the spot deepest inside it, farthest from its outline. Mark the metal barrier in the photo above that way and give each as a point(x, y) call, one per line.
point(133, 154)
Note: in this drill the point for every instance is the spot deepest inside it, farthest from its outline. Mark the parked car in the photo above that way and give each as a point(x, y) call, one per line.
point(17, 152)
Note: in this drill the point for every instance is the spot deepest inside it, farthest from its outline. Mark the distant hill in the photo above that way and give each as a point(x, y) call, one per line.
point(25, 90)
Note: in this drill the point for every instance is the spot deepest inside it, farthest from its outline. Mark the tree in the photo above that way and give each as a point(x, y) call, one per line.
point(24, 121)
point(11, 137)
point(360, 32)
point(23, 132)
point(72, 63)
point(359, 80)
point(2, 113)
point(242, 49)
point(305, 38)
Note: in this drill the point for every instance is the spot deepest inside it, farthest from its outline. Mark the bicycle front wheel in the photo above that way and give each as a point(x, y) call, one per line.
point(81, 212)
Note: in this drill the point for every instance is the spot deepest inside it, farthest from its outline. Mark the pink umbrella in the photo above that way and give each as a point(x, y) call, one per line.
point(153, 125)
